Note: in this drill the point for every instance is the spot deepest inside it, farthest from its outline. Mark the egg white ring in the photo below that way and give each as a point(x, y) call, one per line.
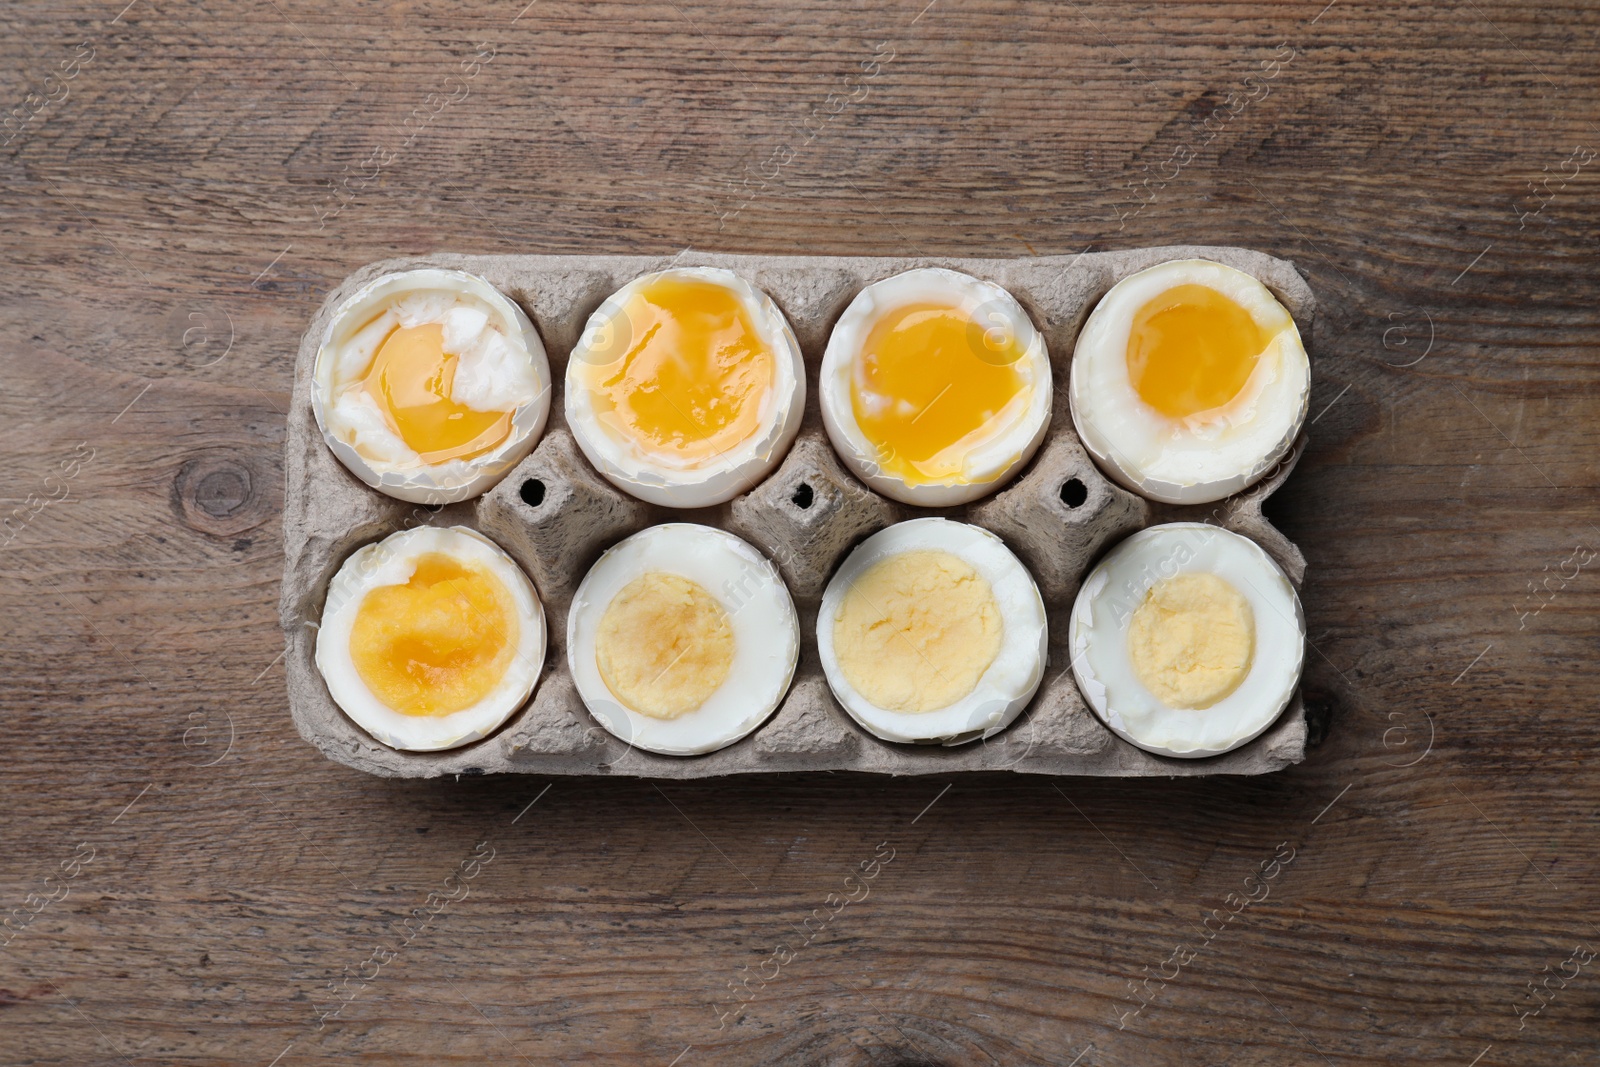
point(702, 482)
point(392, 562)
point(986, 467)
point(750, 590)
point(1246, 439)
point(454, 480)
point(1006, 685)
point(1103, 609)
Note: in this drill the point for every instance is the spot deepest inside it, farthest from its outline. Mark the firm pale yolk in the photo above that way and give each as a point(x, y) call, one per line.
point(1192, 640)
point(691, 372)
point(664, 645)
point(930, 384)
point(440, 642)
point(411, 378)
point(916, 631)
point(1192, 349)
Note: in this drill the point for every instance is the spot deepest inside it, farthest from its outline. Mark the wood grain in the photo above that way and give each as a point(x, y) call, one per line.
point(176, 207)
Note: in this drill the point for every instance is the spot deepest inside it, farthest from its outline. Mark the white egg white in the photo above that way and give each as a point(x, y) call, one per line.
point(991, 309)
point(392, 561)
point(1003, 690)
point(501, 366)
point(766, 634)
point(1103, 665)
point(1211, 455)
point(607, 337)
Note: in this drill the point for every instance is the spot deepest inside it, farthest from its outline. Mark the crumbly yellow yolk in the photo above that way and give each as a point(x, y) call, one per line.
point(664, 645)
point(691, 370)
point(440, 642)
point(411, 377)
point(917, 631)
point(1192, 349)
point(929, 384)
point(1192, 640)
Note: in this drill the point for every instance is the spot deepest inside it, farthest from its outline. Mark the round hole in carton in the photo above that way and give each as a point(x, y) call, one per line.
point(1074, 493)
point(533, 492)
point(803, 496)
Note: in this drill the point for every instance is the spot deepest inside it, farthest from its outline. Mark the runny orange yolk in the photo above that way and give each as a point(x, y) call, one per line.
point(691, 370)
point(411, 378)
point(929, 384)
point(1192, 349)
point(440, 642)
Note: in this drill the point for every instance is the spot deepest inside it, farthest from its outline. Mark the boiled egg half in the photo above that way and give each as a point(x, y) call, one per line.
point(430, 385)
point(1189, 382)
point(686, 387)
point(682, 639)
point(1187, 640)
point(932, 631)
point(430, 638)
point(935, 387)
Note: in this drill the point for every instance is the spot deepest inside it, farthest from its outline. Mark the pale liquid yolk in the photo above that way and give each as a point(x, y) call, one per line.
point(440, 642)
point(664, 645)
point(692, 373)
point(1192, 640)
point(1192, 349)
point(929, 385)
point(916, 631)
point(411, 377)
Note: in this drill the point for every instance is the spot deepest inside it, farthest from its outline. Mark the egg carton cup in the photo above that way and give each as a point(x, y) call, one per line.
point(555, 514)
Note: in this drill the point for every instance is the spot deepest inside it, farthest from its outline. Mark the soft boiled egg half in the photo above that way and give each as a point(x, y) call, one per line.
point(1189, 382)
point(430, 638)
point(932, 632)
point(935, 387)
point(1187, 640)
point(686, 387)
point(682, 639)
point(430, 385)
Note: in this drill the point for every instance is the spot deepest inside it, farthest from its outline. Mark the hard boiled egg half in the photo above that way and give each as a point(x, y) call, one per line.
point(430, 385)
point(935, 387)
point(1187, 639)
point(430, 638)
point(686, 387)
point(682, 639)
point(932, 631)
point(1189, 382)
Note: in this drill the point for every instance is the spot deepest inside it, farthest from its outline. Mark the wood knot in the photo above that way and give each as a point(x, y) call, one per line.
point(219, 494)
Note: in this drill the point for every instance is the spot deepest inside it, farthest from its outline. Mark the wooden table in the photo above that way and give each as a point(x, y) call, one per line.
point(194, 884)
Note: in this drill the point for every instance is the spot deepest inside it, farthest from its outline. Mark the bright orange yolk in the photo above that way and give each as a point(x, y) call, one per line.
point(930, 384)
point(440, 642)
point(411, 377)
point(1192, 349)
point(691, 372)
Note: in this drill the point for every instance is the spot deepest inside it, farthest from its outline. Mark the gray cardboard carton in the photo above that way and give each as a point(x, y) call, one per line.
point(555, 515)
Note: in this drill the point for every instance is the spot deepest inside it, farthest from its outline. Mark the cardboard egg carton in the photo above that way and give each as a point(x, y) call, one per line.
point(555, 515)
